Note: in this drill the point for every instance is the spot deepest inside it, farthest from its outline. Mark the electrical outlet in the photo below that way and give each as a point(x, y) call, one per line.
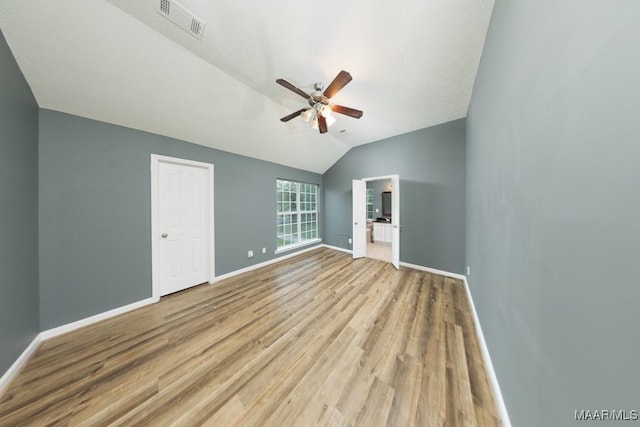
point(250, 254)
point(350, 240)
point(468, 270)
point(264, 250)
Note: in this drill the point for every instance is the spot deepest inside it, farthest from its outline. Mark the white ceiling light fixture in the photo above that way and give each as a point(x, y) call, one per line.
point(326, 113)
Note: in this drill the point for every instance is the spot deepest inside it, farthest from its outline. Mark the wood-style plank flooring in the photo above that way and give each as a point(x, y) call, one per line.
point(319, 339)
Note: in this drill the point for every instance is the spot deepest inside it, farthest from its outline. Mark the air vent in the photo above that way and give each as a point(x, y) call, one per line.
point(179, 15)
point(165, 7)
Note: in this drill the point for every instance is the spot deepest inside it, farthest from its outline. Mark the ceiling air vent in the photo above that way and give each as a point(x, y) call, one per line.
point(180, 16)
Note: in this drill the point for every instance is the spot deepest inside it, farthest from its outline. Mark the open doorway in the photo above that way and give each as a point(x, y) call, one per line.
point(379, 219)
point(376, 218)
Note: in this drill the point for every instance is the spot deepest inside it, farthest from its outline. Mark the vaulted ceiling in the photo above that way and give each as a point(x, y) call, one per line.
point(119, 61)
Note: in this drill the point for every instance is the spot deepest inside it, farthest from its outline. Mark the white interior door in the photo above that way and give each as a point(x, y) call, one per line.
point(182, 226)
point(359, 233)
point(395, 221)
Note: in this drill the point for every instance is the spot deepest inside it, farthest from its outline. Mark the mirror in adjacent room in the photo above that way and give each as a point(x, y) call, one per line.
point(386, 203)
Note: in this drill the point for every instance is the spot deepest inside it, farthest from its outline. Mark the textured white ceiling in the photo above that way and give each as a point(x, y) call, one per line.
point(413, 65)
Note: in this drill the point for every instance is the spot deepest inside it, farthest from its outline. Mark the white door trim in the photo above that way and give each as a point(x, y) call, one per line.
point(155, 241)
point(359, 210)
point(395, 219)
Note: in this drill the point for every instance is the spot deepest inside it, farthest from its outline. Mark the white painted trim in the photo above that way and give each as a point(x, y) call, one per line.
point(335, 248)
point(296, 246)
point(212, 228)
point(378, 178)
point(17, 366)
point(395, 218)
point(493, 379)
point(155, 249)
point(432, 270)
point(265, 263)
point(63, 329)
point(50, 333)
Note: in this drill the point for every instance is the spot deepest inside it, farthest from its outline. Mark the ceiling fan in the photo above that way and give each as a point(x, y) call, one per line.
point(319, 111)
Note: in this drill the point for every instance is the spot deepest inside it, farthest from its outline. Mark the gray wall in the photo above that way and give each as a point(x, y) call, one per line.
point(553, 221)
point(95, 213)
point(431, 165)
point(18, 211)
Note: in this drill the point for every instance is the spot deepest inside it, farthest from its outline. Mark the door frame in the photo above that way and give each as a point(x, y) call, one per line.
point(395, 220)
point(359, 213)
point(156, 159)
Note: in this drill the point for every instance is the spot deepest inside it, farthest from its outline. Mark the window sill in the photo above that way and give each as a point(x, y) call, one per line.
point(297, 246)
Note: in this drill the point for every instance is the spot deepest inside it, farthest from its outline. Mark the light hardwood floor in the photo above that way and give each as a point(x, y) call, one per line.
point(319, 339)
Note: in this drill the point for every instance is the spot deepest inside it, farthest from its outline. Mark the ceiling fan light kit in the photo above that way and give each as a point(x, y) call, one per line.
point(319, 110)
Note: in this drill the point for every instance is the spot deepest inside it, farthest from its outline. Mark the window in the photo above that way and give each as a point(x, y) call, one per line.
point(369, 203)
point(296, 213)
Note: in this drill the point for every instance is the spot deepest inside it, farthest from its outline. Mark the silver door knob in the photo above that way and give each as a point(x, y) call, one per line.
point(164, 235)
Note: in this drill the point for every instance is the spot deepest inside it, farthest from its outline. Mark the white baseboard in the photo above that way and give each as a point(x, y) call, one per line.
point(335, 248)
point(493, 379)
point(14, 369)
point(265, 263)
point(54, 332)
point(433, 270)
point(8, 376)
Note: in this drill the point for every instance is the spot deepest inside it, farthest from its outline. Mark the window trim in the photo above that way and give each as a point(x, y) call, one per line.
point(297, 245)
point(298, 215)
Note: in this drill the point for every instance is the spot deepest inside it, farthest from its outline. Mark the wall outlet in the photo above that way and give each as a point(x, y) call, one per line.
point(264, 250)
point(468, 270)
point(250, 254)
point(350, 240)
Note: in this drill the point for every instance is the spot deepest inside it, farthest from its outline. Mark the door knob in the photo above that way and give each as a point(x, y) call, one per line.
point(164, 235)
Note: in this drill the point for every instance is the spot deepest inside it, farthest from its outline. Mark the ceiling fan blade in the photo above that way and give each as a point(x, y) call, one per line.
point(293, 115)
point(338, 83)
point(322, 124)
point(352, 112)
point(293, 88)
